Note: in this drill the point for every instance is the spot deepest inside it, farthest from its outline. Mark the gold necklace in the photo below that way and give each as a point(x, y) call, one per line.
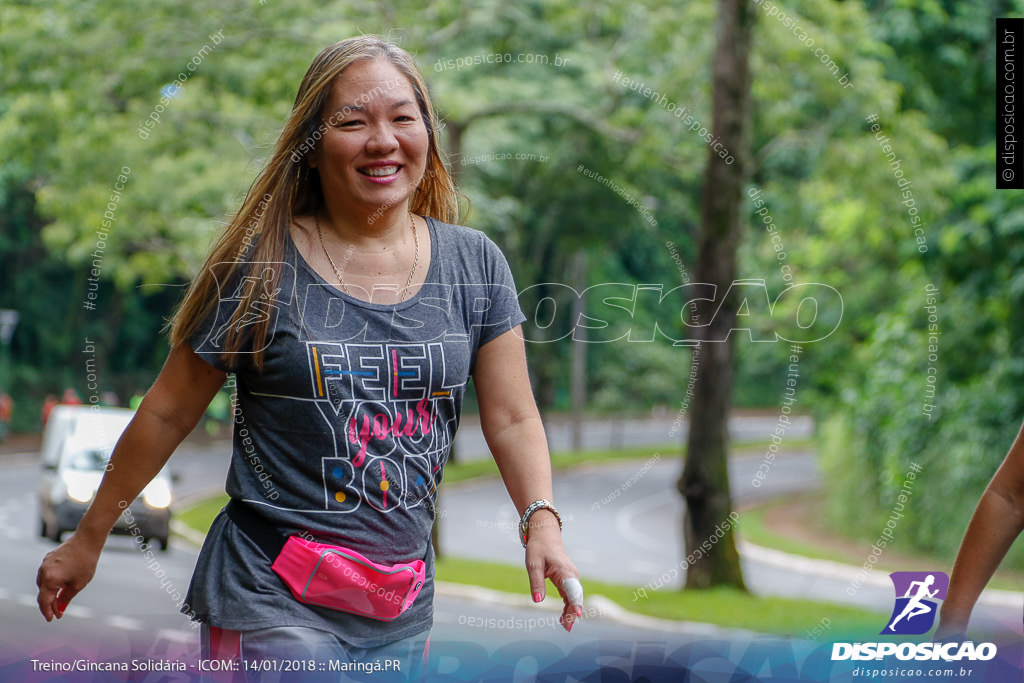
point(415, 259)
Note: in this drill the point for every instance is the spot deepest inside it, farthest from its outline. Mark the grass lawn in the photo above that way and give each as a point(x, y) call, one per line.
point(200, 516)
point(757, 530)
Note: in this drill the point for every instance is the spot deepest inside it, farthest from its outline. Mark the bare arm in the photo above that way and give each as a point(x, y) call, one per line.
point(170, 410)
point(515, 435)
point(997, 521)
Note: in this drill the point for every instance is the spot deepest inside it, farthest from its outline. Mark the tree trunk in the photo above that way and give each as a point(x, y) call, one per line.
point(705, 480)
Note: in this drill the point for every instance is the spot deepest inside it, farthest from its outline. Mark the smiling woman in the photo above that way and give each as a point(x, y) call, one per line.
point(352, 314)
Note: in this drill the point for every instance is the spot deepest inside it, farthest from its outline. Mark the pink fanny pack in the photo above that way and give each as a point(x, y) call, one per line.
point(340, 578)
point(333, 576)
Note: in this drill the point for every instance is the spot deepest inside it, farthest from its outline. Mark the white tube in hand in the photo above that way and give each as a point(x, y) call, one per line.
point(573, 590)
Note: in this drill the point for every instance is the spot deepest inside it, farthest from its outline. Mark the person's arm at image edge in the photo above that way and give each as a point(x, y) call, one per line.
point(514, 432)
point(997, 521)
point(171, 409)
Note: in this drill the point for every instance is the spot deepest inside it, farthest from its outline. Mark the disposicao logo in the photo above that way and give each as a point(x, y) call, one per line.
point(917, 596)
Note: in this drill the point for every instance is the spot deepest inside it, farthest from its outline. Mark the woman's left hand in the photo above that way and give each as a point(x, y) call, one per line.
point(546, 559)
point(515, 435)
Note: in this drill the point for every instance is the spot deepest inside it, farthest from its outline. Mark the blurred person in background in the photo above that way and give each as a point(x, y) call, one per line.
point(48, 403)
point(6, 411)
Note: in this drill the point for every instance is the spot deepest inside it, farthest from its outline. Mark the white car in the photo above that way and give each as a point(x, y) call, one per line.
point(76, 449)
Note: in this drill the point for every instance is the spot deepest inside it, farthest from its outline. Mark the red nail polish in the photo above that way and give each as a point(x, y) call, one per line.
point(569, 628)
point(537, 597)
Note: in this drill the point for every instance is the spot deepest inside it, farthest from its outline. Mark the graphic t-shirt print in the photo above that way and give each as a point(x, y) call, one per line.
point(383, 402)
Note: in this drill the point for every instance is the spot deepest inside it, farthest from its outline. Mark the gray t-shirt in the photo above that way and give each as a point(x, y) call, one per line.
point(345, 432)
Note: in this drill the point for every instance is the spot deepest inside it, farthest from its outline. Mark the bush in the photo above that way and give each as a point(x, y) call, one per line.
point(880, 429)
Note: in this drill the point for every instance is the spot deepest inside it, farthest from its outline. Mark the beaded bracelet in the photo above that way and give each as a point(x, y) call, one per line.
point(524, 523)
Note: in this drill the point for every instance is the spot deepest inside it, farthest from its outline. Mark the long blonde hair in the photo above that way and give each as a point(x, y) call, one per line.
point(287, 187)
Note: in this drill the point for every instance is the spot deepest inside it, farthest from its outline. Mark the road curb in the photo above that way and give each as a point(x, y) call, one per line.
point(187, 533)
point(993, 597)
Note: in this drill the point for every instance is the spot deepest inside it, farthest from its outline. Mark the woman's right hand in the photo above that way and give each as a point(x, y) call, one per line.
point(171, 409)
point(64, 572)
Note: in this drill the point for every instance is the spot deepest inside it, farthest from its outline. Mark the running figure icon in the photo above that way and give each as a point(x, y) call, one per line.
point(915, 606)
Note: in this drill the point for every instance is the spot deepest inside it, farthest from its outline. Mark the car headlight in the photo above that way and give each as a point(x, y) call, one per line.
point(80, 491)
point(157, 494)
